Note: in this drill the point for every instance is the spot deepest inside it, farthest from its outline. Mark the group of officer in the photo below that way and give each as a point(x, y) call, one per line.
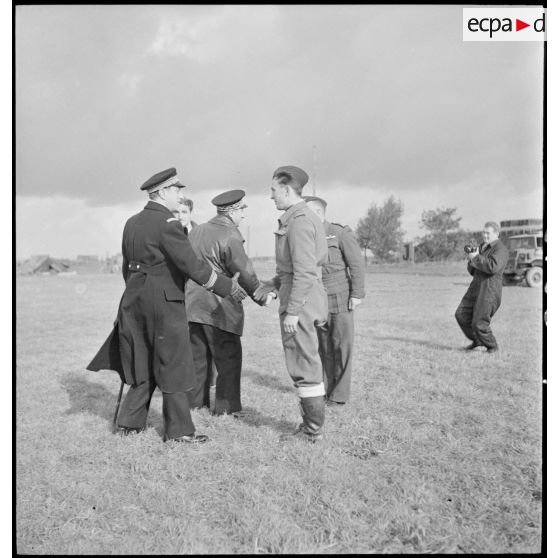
point(181, 315)
point(181, 312)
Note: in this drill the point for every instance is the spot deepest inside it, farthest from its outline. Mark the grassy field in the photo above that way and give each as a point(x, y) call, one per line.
point(438, 451)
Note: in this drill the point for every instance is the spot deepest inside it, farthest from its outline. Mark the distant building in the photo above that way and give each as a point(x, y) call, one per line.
point(113, 264)
point(87, 258)
point(519, 226)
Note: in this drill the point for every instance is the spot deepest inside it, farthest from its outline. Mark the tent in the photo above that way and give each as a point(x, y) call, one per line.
point(43, 264)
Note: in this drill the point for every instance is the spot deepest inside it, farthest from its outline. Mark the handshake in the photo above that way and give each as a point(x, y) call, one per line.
point(263, 295)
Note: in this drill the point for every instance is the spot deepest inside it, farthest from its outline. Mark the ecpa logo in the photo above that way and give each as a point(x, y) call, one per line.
point(504, 24)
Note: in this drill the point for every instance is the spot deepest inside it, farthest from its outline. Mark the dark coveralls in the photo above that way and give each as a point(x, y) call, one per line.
point(343, 278)
point(216, 323)
point(149, 345)
point(484, 294)
point(300, 252)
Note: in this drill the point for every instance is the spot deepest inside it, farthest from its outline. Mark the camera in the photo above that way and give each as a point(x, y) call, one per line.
point(470, 247)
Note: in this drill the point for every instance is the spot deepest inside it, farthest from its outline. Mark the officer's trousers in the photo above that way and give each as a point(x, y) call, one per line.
point(211, 344)
point(301, 349)
point(176, 410)
point(336, 352)
point(474, 315)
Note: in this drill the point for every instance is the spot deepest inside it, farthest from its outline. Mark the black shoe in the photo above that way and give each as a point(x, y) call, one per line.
point(190, 439)
point(492, 350)
point(127, 430)
point(312, 438)
point(331, 403)
point(473, 346)
point(301, 434)
point(241, 414)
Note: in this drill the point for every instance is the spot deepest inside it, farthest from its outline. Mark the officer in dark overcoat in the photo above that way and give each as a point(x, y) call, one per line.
point(343, 279)
point(216, 323)
point(483, 297)
point(149, 345)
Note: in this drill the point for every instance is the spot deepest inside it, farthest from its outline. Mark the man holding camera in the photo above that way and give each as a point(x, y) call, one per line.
point(486, 264)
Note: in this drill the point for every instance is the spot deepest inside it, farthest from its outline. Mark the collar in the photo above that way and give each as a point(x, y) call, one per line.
point(158, 207)
point(223, 220)
point(291, 212)
point(488, 245)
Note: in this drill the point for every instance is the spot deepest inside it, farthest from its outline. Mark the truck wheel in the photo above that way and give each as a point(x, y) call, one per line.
point(534, 277)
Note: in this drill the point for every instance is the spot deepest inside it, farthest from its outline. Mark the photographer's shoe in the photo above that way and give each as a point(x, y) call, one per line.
point(190, 439)
point(492, 350)
point(127, 430)
point(473, 346)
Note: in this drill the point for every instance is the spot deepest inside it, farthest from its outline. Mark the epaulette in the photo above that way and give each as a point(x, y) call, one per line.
point(345, 227)
point(170, 219)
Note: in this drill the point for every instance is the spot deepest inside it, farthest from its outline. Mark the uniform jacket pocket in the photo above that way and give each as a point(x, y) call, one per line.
point(174, 295)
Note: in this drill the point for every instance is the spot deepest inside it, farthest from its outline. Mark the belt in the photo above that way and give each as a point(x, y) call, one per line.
point(335, 278)
point(286, 278)
point(157, 269)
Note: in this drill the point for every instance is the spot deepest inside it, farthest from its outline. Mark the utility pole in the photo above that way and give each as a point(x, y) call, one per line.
point(315, 168)
point(248, 240)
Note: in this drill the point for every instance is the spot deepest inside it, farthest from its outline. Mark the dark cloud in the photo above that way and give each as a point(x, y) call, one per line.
point(391, 96)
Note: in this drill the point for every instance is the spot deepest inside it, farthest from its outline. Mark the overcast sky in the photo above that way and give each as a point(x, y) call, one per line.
point(391, 96)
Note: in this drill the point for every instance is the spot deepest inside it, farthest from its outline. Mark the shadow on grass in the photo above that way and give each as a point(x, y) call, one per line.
point(421, 342)
point(267, 380)
point(257, 419)
point(96, 399)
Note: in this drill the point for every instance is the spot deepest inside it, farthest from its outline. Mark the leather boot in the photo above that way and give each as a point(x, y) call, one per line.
point(313, 416)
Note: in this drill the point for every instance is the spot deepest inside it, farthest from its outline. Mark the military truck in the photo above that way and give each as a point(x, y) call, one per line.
point(525, 261)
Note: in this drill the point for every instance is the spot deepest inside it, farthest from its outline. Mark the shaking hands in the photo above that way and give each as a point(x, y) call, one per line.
point(238, 294)
point(265, 293)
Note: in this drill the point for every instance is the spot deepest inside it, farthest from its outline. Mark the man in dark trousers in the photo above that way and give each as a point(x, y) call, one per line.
point(216, 323)
point(149, 345)
point(343, 279)
point(300, 252)
point(486, 264)
point(184, 215)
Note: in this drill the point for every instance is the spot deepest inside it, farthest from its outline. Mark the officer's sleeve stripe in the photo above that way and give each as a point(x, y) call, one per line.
point(170, 219)
point(211, 281)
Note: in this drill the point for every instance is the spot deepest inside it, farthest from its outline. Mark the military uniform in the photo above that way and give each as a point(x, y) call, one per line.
point(300, 251)
point(149, 345)
point(343, 278)
point(187, 230)
point(484, 295)
point(216, 323)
